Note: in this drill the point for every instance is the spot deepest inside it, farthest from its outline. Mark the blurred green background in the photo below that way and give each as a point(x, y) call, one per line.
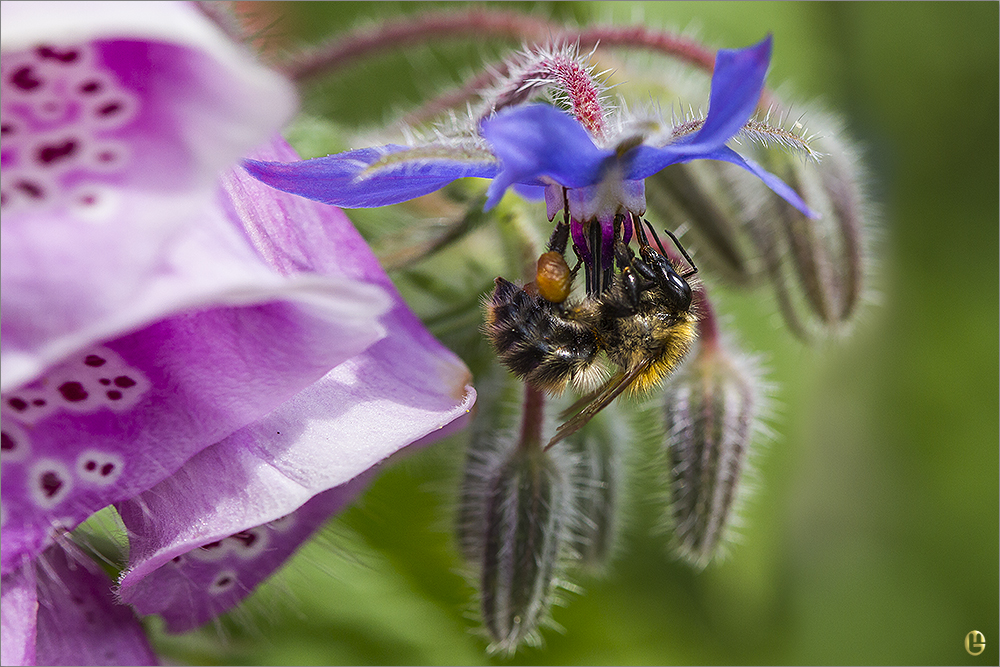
point(873, 537)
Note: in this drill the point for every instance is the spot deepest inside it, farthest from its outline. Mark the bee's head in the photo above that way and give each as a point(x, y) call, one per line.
point(675, 288)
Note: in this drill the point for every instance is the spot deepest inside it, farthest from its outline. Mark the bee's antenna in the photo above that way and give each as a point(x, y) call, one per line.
point(655, 237)
point(694, 269)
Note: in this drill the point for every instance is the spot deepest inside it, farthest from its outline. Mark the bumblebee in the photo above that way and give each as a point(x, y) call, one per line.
point(641, 319)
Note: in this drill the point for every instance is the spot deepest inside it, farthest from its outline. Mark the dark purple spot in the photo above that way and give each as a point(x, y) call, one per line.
point(94, 361)
point(73, 391)
point(67, 56)
point(124, 382)
point(18, 404)
point(51, 483)
point(90, 466)
point(246, 538)
point(87, 200)
point(211, 545)
point(6, 129)
point(31, 189)
point(224, 581)
point(53, 153)
point(24, 79)
point(110, 109)
point(107, 156)
point(107, 469)
point(105, 381)
point(176, 559)
point(90, 87)
point(114, 395)
point(7, 443)
point(39, 402)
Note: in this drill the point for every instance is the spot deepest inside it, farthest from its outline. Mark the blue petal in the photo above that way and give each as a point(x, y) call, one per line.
point(644, 160)
point(530, 192)
point(736, 85)
point(779, 187)
point(537, 140)
point(339, 180)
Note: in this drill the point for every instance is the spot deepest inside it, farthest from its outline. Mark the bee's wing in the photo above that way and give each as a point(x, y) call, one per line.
point(584, 409)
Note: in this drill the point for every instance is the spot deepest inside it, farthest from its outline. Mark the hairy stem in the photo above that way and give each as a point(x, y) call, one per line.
point(629, 37)
point(475, 22)
point(708, 323)
point(533, 418)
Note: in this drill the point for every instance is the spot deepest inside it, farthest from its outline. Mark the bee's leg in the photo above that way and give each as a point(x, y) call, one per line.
point(632, 287)
point(640, 231)
point(559, 238)
point(653, 267)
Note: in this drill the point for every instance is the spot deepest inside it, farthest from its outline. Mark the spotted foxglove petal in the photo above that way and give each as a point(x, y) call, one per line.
point(115, 419)
point(116, 121)
point(79, 620)
point(403, 389)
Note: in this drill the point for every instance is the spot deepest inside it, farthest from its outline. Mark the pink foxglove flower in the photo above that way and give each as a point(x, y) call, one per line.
point(178, 340)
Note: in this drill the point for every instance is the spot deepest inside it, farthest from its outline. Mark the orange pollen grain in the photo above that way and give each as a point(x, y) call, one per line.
point(552, 277)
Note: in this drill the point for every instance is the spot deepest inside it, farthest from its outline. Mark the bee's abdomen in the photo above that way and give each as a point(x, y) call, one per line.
point(535, 340)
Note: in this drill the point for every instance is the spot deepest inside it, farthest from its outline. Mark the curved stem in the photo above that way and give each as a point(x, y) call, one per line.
point(708, 323)
point(478, 22)
point(533, 418)
point(630, 37)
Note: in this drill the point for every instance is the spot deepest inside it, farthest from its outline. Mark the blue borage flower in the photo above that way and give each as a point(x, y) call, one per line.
point(538, 148)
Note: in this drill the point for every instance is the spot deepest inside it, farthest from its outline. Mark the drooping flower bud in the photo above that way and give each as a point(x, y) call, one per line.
point(563, 74)
point(525, 528)
point(828, 257)
point(596, 492)
point(493, 430)
point(711, 413)
point(516, 506)
point(696, 195)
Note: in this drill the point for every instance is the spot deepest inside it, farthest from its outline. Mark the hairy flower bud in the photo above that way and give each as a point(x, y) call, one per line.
point(525, 528)
point(711, 410)
point(827, 257)
point(516, 507)
point(596, 494)
point(491, 433)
